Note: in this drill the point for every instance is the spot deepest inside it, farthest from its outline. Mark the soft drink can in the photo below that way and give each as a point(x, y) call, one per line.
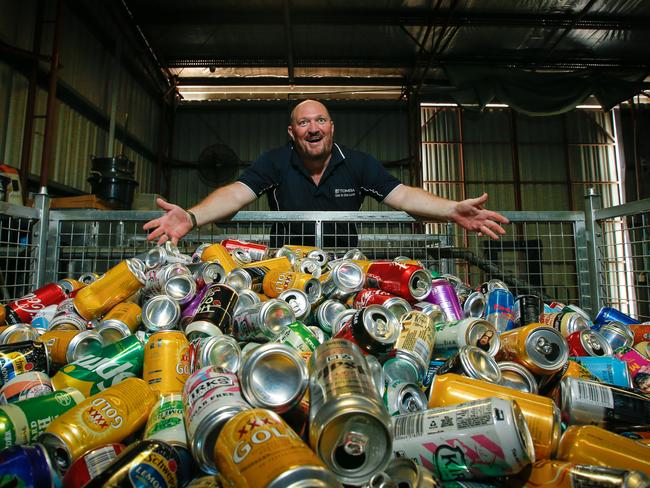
point(450, 336)
point(374, 329)
point(22, 357)
point(24, 309)
point(610, 314)
point(166, 422)
point(588, 342)
point(444, 295)
point(499, 310)
point(607, 369)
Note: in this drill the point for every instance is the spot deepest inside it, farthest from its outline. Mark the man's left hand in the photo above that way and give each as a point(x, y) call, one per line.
point(471, 215)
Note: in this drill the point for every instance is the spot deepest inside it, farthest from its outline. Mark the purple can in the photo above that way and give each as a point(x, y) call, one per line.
point(609, 314)
point(499, 310)
point(444, 295)
point(187, 315)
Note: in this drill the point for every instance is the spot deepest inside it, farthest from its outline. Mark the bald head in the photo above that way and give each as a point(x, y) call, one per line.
point(312, 104)
point(311, 129)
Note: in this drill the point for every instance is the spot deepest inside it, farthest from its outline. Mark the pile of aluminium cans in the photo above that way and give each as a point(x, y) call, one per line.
point(239, 367)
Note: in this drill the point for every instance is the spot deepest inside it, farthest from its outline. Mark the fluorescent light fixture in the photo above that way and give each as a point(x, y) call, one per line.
point(234, 92)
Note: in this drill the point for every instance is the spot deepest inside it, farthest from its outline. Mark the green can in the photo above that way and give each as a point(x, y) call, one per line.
point(22, 422)
point(166, 421)
point(112, 365)
point(298, 336)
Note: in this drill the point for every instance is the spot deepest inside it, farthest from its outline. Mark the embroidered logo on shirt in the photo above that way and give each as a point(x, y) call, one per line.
point(344, 192)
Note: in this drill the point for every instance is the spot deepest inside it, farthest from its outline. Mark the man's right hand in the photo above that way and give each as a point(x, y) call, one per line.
point(170, 227)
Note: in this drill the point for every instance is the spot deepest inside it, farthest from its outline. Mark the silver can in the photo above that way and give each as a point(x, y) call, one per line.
point(345, 279)
point(377, 374)
point(181, 288)
point(434, 311)
point(401, 369)
point(327, 312)
point(341, 319)
point(298, 301)
point(514, 375)
point(221, 351)
point(307, 265)
point(247, 298)
point(474, 306)
point(206, 273)
point(318, 333)
point(241, 256)
point(160, 313)
point(401, 397)
point(263, 321)
point(320, 256)
point(349, 426)
point(356, 254)
point(273, 376)
point(287, 253)
point(247, 278)
point(405, 473)
point(473, 362)
point(18, 333)
point(211, 397)
point(450, 336)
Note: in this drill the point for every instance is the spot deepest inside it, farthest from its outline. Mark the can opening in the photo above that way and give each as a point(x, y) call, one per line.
point(346, 459)
point(61, 458)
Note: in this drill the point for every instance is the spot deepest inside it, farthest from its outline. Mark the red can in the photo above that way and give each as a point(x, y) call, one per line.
point(587, 342)
point(23, 310)
point(641, 332)
point(409, 281)
point(90, 465)
point(257, 252)
point(374, 329)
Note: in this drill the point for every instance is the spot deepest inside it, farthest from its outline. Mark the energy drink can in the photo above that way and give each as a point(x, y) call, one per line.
point(344, 279)
point(541, 349)
point(96, 372)
point(609, 314)
point(109, 416)
point(166, 422)
point(607, 369)
point(542, 416)
point(216, 307)
point(115, 286)
point(452, 441)
point(514, 375)
point(258, 449)
point(22, 357)
point(220, 351)
point(450, 336)
point(373, 296)
point(211, 397)
point(374, 329)
point(416, 340)
point(528, 309)
point(257, 251)
point(273, 376)
point(591, 445)
point(24, 309)
point(146, 463)
point(122, 320)
point(473, 362)
point(401, 397)
point(91, 464)
point(348, 422)
point(28, 466)
point(166, 364)
point(499, 310)
point(24, 421)
point(66, 346)
point(612, 407)
point(588, 342)
point(26, 385)
point(262, 321)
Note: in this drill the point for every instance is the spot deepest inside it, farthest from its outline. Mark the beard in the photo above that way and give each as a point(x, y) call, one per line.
point(309, 152)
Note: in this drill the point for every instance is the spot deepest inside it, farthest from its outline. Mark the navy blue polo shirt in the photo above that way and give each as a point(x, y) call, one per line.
point(348, 178)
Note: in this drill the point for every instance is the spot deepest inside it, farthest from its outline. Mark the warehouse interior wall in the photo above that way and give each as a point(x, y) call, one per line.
point(87, 75)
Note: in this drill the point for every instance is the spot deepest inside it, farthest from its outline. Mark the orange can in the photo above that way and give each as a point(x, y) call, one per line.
point(218, 253)
point(66, 346)
point(282, 263)
point(541, 413)
point(588, 444)
point(116, 285)
point(2, 315)
point(300, 251)
point(256, 448)
point(166, 361)
point(539, 348)
point(276, 281)
point(127, 313)
point(573, 369)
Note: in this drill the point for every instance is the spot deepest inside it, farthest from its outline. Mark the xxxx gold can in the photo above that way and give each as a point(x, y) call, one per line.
point(588, 444)
point(115, 286)
point(2, 315)
point(107, 417)
point(539, 348)
point(218, 253)
point(166, 361)
point(551, 473)
point(541, 413)
point(257, 449)
point(277, 281)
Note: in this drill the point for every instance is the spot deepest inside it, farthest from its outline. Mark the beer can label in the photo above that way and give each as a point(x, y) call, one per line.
point(166, 422)
point(25, 386)
point(32, 357)
point(299, 337)
point(417, 336)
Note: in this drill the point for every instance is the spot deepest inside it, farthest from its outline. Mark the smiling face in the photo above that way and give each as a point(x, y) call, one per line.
point(312, 131)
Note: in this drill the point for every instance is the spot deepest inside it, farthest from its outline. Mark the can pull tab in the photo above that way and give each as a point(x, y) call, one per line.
point(350, 451)
point(381, 480)
point(381, 325)
point(543, 346)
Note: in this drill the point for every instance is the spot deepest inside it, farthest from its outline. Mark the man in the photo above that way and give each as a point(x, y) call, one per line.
point(314, 173)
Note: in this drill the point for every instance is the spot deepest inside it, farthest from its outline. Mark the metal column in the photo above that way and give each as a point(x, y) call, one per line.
point(593, 235)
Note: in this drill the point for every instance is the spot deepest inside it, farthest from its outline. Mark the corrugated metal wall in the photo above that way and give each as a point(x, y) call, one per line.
point(86, 69)
point(251, 130)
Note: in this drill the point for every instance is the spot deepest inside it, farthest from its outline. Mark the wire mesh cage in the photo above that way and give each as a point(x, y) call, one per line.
point(18, 259)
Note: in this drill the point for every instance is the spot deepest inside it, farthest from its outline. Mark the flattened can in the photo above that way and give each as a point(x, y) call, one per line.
point(348, 422)
point(416, 340)
point(22, 357)
point(450, 336)
point(166, 364)
point(211, 397)
point(453, 441)
point(146, 463)
point(541, 349)
point(166, 421)
point(91, 464)
point(401, 397)
point(541, 413)
point(257, 449)
point(588, 342)
point(27, 385)
point(109, 416)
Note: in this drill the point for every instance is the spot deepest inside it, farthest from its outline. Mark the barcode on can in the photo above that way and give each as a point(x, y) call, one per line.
point(408, 426)
point(593, 394)
point(97, 460)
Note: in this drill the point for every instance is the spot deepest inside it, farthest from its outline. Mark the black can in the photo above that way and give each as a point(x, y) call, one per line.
point(374, 329)
point(527, 310)
point(22, 357)
point(217, 306)
point(145, 463)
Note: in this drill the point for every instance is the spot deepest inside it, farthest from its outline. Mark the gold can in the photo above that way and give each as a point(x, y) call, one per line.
point(588, 444)
point(104, 418)
point(300, 251)
point(2, 315)
point(117, 284)
point(127, 313)
point(257, 449)
point(218, 253)
point(573, 369)
point(66, 346)
point(364, 264)
point(276, 281)
point(166, 361)
point(539, 348)
point(541, 413)
point(282, 263)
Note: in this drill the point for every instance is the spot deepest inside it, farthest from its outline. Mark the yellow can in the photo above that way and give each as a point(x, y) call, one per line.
point(552, 473)
point(300, 251)
point(363, 264)
point(539, 348)
point(588, 444)
point(66, 346)
point(572, 369)
point(256, 447)
point(128, 313)
point(218, 253)
point(282, 263)
point(2, 315)
point(541, 413)
point(104, 418)
point(166, 361)
point(117, 284)
point(276, 281)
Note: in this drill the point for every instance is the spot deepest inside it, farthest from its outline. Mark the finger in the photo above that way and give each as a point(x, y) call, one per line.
point(164, 204)
point(164, 238)
point(495, 227)
point(151, 224)
point(496, 216)
point(478, 201)
point(155, 234)
point(488, 232)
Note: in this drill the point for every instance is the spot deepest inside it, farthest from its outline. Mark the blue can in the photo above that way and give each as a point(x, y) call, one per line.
point(499, 310)
point(609, 314)
point(431, 372)
point(607, 369)
point(28, 466)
